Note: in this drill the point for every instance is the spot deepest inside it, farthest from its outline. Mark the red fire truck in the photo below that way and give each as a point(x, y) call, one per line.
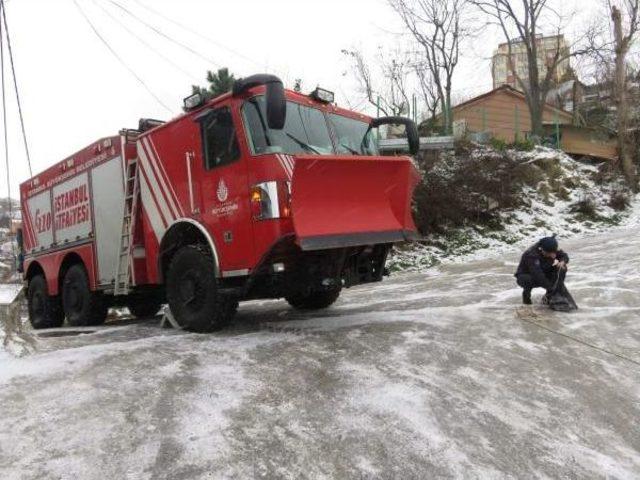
point(259, 193)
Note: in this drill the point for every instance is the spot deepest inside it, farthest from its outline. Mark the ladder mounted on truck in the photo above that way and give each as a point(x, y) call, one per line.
point(124, 266)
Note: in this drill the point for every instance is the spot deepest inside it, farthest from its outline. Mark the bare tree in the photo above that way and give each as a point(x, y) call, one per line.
point(520, 22)
point(438, 27)
point(624, 33)
point(428, 90)
point(387, 88)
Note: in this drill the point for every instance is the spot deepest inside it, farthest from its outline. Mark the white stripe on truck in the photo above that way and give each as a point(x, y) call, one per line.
point(151, 208)
point(153, 152)
point(154, 187)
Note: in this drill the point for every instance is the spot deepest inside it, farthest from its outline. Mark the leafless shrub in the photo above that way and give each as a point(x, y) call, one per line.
point(619, 200)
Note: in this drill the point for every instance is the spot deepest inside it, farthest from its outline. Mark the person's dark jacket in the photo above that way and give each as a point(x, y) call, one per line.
point(541, 268)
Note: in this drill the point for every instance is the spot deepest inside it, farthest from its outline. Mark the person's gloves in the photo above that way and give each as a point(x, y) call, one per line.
point(560, 265)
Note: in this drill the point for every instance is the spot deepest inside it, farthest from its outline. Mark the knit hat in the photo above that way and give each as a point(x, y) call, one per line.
point(549, 244)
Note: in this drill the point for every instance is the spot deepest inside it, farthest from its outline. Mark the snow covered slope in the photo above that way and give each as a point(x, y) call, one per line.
point(571, 198)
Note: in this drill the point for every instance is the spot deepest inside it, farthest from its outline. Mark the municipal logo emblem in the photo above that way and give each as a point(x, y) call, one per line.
point(223, 191)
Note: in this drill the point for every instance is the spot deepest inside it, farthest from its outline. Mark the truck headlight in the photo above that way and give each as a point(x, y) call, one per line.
point(271, 200)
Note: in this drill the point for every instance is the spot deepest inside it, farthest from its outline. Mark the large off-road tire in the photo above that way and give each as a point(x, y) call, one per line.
point(45, 311)
point(145, 305)
point(313, 300)
point(82, 307)
point(192, 291)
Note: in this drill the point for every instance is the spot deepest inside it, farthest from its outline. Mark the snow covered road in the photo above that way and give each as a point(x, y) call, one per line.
point(423, 376)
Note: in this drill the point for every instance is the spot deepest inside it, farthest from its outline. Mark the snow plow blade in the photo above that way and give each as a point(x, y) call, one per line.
point(345, 201)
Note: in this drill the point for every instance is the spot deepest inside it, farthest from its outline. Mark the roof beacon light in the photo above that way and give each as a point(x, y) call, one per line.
point(193, 101)
point(322, 95)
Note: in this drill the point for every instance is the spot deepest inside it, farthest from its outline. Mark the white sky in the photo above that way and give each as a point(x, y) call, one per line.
point(74, 91)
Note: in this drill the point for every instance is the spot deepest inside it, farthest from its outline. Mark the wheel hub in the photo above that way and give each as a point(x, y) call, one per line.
point(191, 290)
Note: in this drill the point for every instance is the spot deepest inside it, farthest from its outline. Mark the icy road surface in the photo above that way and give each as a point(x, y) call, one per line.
point(422, 376)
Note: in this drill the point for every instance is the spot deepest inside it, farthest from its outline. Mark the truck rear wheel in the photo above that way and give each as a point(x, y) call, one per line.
point(45, 311)
point(313, 300)
point(82, 307)
point(192, 291)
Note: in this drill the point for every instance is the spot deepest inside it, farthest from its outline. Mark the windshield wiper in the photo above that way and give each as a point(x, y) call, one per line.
point(306, 146)
point(352, 150)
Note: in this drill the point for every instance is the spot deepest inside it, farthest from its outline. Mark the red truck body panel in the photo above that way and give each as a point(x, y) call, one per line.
point(66, 210)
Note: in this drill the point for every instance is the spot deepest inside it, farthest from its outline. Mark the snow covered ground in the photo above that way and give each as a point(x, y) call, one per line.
point(427, 375)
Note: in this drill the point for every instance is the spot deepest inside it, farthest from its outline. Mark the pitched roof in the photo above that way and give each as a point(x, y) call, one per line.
point(511, 91)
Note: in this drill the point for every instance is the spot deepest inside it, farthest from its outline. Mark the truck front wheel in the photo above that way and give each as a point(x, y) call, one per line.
point(313, 300)
point(82, 307)
point(192, 291)
point(44, 310)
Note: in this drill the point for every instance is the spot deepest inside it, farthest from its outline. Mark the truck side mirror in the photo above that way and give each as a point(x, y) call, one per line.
point(410, 126)
point(276, 106)
point(275, 97)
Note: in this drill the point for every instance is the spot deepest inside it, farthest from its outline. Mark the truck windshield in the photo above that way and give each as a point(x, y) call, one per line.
point(352, 136)
point(306, 131)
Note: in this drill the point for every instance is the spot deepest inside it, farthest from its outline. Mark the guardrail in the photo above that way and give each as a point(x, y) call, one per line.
point(426, 143)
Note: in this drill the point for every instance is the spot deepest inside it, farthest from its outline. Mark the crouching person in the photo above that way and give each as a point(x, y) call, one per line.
point(542, 266)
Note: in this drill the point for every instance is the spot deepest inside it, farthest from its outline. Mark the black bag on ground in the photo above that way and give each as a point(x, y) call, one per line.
point(561, 300)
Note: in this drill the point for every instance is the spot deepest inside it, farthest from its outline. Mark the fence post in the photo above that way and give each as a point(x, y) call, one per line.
point(517, 122)
point(557, 115)
point(378, 116)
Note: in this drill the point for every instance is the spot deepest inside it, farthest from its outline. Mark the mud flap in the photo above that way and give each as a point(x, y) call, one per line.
point(346, 201)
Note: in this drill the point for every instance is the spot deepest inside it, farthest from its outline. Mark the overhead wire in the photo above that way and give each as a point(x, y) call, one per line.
point(198, 34)
point(4, 114)
point(15, 85)
point(142, 40)
point(164, 35)
point(119, 58)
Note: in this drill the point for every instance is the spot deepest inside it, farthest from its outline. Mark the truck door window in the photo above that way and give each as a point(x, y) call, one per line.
point(219, 140)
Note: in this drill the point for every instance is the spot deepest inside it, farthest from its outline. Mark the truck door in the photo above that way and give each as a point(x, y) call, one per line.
point(224, 191)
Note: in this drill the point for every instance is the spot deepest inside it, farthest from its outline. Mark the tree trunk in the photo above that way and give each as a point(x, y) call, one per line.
point(537, 128)
point(447, 102)
point(536, 109)
point(624, 145)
